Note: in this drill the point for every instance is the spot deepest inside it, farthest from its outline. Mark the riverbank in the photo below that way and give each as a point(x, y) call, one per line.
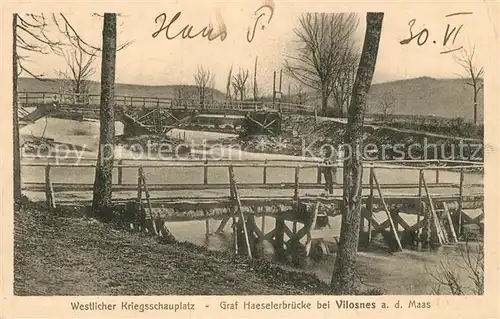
point(67, 253)
point(306, 136)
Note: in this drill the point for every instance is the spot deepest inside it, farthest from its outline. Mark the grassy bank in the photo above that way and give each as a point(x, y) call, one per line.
point(67, 253)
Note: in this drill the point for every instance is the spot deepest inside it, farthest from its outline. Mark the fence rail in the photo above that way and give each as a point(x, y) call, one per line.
point(34, 98)
point(264, 184)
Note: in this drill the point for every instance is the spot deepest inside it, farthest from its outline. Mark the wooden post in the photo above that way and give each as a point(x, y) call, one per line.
point(184, 136)
point(274, 89)
point(370, 204)
point(222, 224)
point(205, 172)
point(420, 208)
point(233, 215)
point(279, 239)
point(437, 225)
point(148, 199)
point(139, 184)
point(297, 175)
point(450, 222)
point(264, 172)
point(120, 172)
point(240, 211)
point(207, 223)
point(318, 174)
point(310, 227)
point(281, 80)
point(460, 202)
point(49, 191)
point(420, 174)
point(387, 211)
point(437, 175)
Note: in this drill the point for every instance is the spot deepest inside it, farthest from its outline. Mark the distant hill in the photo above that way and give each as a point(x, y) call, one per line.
point(424, 96)
point(449, 98)
point(167, 91)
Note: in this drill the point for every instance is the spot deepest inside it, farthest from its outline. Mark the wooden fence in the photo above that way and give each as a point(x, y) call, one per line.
point(36, 98)
point(205, 184)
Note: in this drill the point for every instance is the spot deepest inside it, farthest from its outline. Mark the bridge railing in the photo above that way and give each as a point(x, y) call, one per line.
point(188, 170)
point(34, 98)
point(219, 185)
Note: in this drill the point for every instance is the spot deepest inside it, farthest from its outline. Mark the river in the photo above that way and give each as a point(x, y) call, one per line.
point(84, 134)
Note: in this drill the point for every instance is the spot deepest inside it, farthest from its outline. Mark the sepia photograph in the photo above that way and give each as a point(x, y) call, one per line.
point(249, 148)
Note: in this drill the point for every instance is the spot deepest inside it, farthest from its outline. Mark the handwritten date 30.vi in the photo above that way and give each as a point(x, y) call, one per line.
point(449, 37)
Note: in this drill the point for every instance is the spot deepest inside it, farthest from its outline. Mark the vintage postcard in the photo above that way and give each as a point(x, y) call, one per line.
point(250, 158)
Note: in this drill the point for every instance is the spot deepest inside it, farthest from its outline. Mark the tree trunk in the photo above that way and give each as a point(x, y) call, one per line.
point(324, 101)
point(344, 270)
point(101, 203)
point(15, 118)
point(475, 104)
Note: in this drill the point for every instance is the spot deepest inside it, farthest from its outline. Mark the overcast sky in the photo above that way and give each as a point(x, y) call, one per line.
point(159, 61)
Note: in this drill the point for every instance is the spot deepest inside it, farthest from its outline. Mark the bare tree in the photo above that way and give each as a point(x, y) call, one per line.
point(343, 79)
point(344, 270)
point(301, 96)
point(387, 103)
point(101, 202)
point(474, 72)
point(30, 35)
point(324, 39)
point(80, 69)
point(239, 83)
point(205, 80)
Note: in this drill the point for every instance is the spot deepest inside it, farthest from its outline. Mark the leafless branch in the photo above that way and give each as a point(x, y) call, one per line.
point(239, 83)
point(325, 45)
point(472, 263)
point(474, 72)
point(204, 79)
point(387, 103)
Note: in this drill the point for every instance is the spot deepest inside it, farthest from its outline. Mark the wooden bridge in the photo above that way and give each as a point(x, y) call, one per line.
point(439, 197)
point(157, 115)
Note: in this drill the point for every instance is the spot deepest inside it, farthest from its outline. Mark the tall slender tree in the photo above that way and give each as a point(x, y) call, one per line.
point(205, 81)
point(30, 36)
point(239, 83)
point(475, 73)
point(344, 269)
point(101, 202)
